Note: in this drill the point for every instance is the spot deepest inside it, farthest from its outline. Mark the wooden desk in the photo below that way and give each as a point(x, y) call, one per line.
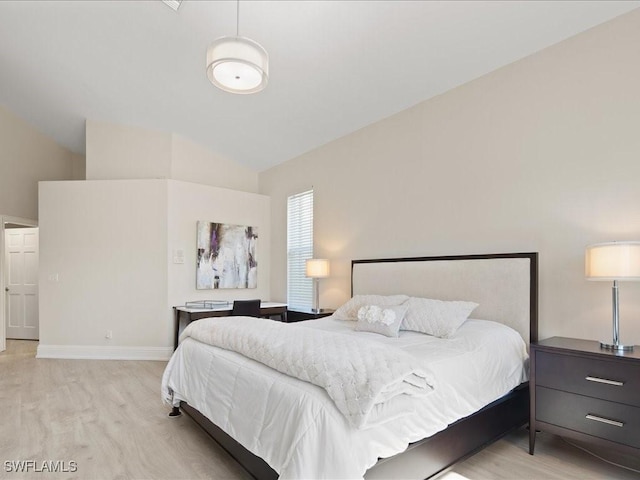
point(184, 316)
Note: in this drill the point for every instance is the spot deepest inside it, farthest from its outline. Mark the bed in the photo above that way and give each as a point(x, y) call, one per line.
point(310, 440)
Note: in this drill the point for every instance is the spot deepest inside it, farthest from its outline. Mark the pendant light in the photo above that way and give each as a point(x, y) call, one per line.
point(237, 64)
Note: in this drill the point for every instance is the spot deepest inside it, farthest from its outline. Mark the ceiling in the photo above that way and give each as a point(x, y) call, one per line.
point(335, 66)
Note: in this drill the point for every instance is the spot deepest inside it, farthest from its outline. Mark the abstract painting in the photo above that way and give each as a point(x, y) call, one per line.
point(226, 256)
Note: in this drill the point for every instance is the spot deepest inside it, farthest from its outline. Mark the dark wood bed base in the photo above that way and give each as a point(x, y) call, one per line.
point(459, 440)
point(434, 454)
point(253, 464)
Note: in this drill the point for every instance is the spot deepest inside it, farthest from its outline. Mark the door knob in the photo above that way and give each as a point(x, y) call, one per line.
point(6, 289)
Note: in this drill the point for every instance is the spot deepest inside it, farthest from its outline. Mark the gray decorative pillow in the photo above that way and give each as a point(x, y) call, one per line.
point(349, 311)
point(385, 320)
point(436, 317)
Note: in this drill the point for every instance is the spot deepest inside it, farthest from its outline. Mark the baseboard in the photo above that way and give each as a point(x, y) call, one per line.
point(100, 352)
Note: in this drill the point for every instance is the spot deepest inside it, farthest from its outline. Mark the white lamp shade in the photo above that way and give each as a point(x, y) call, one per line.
point(613, 261)
point(317, 268)
point(237, 65)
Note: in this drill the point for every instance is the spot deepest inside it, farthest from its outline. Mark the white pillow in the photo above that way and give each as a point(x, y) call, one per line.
point(436, 317)
point(349, 311)
point(383, 320)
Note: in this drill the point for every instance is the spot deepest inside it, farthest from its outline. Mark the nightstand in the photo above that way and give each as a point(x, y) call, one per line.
point(581, 391)
point(300, 314)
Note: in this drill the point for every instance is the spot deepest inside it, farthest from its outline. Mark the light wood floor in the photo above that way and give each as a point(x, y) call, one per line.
point(107, 416)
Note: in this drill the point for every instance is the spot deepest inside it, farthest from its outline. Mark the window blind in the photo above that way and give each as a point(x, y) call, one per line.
point(299, 249)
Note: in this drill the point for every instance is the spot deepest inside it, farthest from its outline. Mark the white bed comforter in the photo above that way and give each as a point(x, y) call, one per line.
point(364, 378)
point(296, 427)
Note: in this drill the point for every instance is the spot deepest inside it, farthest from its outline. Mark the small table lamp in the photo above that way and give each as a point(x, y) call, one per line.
point(317, 268)
point(614, 261)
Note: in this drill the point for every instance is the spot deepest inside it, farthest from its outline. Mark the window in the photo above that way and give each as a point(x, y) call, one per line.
point(299, 249)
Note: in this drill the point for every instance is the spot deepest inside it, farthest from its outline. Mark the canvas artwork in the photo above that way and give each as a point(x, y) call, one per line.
point(226, 256)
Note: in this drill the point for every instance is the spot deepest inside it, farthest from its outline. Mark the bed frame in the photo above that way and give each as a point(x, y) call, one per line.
point(506, 287)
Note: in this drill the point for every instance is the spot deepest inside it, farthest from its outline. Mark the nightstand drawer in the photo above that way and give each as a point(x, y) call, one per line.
point(599, 418)
point(605, 379)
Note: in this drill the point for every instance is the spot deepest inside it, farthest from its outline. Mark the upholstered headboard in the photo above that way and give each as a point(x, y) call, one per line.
point(505, 285)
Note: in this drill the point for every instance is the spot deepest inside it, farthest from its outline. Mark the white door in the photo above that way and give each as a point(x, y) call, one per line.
point(21, 283)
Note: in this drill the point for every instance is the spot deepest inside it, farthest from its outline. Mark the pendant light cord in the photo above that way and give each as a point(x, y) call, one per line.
point(238, 18)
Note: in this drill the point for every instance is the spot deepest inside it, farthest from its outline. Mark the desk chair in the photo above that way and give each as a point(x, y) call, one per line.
point(247, 308)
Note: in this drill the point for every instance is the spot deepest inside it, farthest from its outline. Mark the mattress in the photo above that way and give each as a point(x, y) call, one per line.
point(297, 429)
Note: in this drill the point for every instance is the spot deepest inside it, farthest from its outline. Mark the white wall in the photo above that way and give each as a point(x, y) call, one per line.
point(188, 203)
point(103, 267)
point(191, 162)
point(121, 151)
point(106, 262)
point(26, 157)
point(109, 241)
point(542, 155)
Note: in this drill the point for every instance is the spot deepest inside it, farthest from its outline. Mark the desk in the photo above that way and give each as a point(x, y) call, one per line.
point(184, 316)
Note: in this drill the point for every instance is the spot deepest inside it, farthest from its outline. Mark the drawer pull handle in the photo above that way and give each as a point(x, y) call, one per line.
point(604, 420)
point(604, 380)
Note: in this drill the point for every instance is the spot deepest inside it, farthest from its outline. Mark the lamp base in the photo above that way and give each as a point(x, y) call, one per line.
point(619, 347)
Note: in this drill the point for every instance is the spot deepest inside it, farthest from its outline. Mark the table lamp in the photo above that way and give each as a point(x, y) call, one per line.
point(612, 262)
point(317, 268)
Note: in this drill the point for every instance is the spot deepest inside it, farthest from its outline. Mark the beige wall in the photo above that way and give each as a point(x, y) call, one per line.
point(106, 244)
point(79, 168)
point(190, 202)
point(106, 261)
point(117, 152)
point(26, 157)
point(194, 163)
point(542, 155)
point(103, 264)
point(120, 152)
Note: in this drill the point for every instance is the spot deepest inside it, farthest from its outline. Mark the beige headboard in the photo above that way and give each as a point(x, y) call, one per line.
point(505, 285)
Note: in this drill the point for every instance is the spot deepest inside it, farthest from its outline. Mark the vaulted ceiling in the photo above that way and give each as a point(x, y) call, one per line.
point(335, 66)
